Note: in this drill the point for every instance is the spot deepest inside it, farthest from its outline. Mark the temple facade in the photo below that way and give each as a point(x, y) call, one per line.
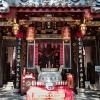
point(50, 34)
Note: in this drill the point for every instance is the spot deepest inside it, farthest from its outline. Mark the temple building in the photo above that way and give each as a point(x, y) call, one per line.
point(50, 34)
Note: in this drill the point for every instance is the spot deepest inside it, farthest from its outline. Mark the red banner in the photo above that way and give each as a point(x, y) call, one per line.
point(36, 54)
point(61, 54)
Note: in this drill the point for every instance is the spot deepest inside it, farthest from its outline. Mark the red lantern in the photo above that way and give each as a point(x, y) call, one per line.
point(30, 34)
point(66, 35)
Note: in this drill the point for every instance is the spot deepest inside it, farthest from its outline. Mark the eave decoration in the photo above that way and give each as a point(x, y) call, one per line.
point(4, 6)
point(96, 5)
point(16, 29)
point(54, 3)
point(82, 30)
point(23, 3)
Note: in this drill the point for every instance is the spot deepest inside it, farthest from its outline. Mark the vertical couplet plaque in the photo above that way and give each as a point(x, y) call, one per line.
point(24, 53)
point(30, 56)
point(67, 61)
point(80, 62)
point(36, 54)
point(61, 54)
point(67, 54)
point(18, 62)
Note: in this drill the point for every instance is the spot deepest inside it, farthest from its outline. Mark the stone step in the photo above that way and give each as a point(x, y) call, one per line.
point(8, 86)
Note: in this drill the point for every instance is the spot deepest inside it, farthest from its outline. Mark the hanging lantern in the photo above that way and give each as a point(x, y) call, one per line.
point(66, 35)
point(15, 28)
point(83, 29)
point(30, 34)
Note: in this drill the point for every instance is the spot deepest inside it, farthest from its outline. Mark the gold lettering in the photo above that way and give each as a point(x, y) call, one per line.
point(80, 51)
point(18, 60)
point(79, 39)
point(17, 69)
point(19, 43)
point(18, 51)
point(18, 47)
point(80, 65)
point(17, 79)
point(19, 39)
point(81, 69)
point(17, 84)
point(80, 56)
point(18, 56)
point(81, 74)
point(81, 79)
point(80, 47)
point(80, 60)
point(18, 64)
point(17, 75)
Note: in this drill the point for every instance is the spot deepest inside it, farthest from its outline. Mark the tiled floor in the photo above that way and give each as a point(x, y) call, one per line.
point(89, 95)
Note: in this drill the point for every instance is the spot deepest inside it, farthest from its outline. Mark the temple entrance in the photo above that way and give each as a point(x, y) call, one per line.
point(9, 64)
point(8, 60)
point(49, 55)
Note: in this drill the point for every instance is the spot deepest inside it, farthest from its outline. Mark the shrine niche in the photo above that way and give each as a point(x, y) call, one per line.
point(49, 53)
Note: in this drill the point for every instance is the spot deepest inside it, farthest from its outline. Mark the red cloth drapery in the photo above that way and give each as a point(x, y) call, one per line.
point(19, 35)
point(79, 35)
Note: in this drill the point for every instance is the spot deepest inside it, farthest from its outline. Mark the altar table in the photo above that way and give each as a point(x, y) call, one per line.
point(41, 93)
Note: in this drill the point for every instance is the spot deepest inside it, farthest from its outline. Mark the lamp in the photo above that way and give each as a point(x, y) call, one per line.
point(15, 28)
point(30, 34)
point(83, 28)
point(66, 35)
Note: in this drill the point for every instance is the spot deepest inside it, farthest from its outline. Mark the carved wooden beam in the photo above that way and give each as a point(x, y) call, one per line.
point(93, 23)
